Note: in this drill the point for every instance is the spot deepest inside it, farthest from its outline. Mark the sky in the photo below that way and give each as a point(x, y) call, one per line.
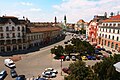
point(46, 10)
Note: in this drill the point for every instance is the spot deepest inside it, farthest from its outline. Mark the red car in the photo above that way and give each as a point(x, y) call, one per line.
point(66, 70)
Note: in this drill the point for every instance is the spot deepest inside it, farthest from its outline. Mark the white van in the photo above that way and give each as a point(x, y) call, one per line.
point(9, 63)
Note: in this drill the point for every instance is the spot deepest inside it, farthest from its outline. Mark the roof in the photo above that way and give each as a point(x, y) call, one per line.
point(6, 19)
point(81, 21)
point(41, 29)
point(113, 19)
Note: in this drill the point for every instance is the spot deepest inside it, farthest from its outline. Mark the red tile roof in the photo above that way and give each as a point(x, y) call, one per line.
point(42, 29)
point(113, 19)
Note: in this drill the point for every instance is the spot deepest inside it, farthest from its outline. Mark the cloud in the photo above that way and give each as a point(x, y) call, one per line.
point(26, 3)
point(35, 9)
point(85, 9)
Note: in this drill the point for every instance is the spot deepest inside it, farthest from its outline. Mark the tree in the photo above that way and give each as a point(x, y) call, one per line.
point(105, 69)
point(68, 49)
point(79, 71)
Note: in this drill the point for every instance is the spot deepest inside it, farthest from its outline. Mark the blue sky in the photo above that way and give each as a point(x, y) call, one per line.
point(46, 10)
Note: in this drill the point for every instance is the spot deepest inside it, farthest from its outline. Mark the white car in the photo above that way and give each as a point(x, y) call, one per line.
point(9, 63)
point(48, 74)
point(3, 74)
point(52, 70)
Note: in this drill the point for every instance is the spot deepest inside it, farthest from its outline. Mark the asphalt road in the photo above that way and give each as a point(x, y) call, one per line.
point(33, 64)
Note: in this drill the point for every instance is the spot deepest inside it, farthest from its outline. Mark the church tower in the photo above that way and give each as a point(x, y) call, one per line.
point(55, 20)
point(65, 20)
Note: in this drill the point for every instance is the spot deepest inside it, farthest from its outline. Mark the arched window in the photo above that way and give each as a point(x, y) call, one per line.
point(116, 46)
point(7, 28)
point(18, 28)
point(117, 39)
point(13, 29)
point(109, 36)
point(108, 43)
point(112, 37)
point(105, 42)
point(113, 30)
point(118, 32)
point(112, 45)
point(109, 30)
point(106, 36)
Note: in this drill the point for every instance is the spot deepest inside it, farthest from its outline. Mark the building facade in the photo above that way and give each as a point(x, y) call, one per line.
point(109, 33)
point(92, 28)
point(20, 34)
point(12, 34)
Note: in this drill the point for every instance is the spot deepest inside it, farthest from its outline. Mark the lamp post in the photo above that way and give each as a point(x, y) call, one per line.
point(117, 66)
point(62, 57)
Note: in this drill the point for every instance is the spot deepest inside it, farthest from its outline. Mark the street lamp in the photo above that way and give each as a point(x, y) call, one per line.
point(117, 66)
point(62, 57)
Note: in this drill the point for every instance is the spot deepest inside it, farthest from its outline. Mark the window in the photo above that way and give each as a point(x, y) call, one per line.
point(112, 37)
point(109, 36)
point(23, 29)
point(1, 28)
point(106, 36)
point(116, 46)
point(18, 28)
point(8, 48)
point(109, 30)
point(106, 24)
point(18, 34)
point(7, 28)
point(118, 24)
point(105, 42)
point(118, 31)
point(1, 35)
point(2, 49)
point(7, 35)
point(106, 29)
point(13, 35)
point(13, 29)
point(114, 24)
point(110, 25)
point(113, 30)
point(112, 45)
point(103, 29)
point(117, 39)
point(108, 43)
point(102, 35)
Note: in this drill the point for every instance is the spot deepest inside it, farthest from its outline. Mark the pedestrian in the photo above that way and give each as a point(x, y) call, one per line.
point(33, 78)
point(39, 76)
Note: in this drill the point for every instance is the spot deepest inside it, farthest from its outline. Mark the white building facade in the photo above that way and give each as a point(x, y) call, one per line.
point(12, 34)
point(109, 33)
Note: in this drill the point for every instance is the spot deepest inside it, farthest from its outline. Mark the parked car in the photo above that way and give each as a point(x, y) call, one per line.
point(66, 70)
point(101, 49)
point(67, 58)
point(20, 77)
point(13, 73)
point(84, 58)
point(52, 70)
point(73, 58)
point(9, 63)
point(41, 79)
point(109, 52)
point(65, 42)
point(3, 74)
point(48, 74)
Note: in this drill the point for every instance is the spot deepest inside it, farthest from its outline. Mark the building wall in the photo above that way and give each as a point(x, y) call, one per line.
point(12, 37)
point(109, 35)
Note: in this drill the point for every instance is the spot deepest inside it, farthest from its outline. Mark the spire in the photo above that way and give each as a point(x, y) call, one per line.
point(105, 14)
point(55, 19)
point(65, 19)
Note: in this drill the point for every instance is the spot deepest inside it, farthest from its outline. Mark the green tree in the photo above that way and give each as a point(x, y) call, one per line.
point(68, 49)
point(105, 69)
point(79, 71)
